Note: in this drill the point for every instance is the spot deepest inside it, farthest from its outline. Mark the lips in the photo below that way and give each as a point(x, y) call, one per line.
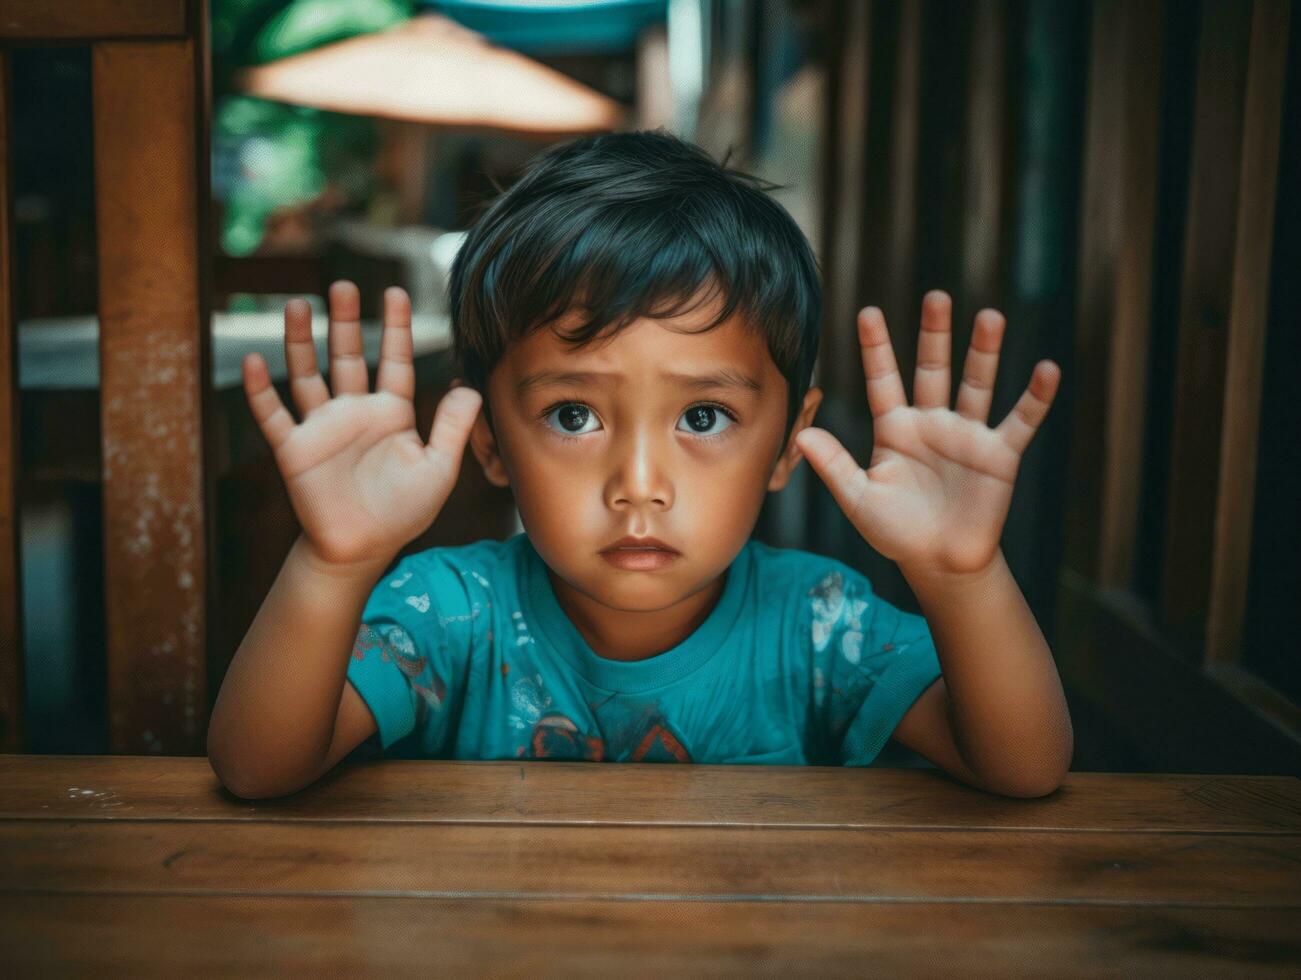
point(630, 543)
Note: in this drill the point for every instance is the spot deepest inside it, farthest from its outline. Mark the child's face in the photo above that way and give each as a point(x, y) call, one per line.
point(634, 447)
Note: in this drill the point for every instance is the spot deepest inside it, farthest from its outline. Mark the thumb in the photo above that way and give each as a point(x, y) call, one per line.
point(453, 420)
point(835, 466)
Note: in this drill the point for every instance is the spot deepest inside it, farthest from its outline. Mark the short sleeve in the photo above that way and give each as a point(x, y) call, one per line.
point(412, 649)
point(871, 661)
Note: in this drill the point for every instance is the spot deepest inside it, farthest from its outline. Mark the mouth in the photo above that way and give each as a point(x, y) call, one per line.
point(639, 554)
point(631, 544)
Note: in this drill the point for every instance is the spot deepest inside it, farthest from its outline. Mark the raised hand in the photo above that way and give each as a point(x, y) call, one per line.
point(937, 489)
point(362, 482)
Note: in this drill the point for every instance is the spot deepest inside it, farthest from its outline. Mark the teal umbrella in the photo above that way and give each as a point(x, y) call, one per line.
point(555, 26)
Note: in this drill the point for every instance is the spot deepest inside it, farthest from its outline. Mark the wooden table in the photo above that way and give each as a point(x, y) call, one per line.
point(119, 865)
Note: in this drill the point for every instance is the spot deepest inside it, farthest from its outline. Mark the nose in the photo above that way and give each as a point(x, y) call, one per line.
point(639, 477)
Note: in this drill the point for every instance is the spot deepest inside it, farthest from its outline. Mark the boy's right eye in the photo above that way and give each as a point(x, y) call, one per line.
point(571, 419)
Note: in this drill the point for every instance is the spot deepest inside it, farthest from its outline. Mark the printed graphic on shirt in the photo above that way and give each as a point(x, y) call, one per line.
point(522, 634)
point(660, 745)
point(394, 645)
point(557, 737)
point(839, 631)
point(641, 734)
point(639, 731)
point(830, 604)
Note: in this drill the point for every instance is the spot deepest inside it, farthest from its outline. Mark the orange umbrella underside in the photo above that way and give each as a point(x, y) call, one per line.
point(432, 70)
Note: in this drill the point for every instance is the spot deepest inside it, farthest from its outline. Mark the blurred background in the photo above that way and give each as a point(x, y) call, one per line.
point(1119, 179)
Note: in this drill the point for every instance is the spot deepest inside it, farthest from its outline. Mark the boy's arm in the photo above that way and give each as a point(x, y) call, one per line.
point(363, 484)
point(284, 715)
point(934, 498)
point(998, 717)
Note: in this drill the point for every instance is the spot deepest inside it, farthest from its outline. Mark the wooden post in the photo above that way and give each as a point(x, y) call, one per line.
point(154, 358)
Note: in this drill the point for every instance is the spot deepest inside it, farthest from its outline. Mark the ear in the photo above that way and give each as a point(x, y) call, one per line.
point(791, 455)
point(484, 446)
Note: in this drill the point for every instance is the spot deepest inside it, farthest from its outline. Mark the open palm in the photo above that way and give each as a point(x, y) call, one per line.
point(939, 484)
point(361, 480)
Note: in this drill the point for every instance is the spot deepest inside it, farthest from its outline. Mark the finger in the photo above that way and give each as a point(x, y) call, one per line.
point(881, 372)
point(835, 466)
point(453, 419)
point(348, 374)
point(306, 386)
point(976, 392)
point(1030, 409)
point(263, 401)
point(931, 381)
point(397, 373)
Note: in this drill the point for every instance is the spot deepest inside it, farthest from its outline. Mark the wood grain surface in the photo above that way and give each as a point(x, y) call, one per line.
point(184, 788)
point(146, 866)
point(154, 936)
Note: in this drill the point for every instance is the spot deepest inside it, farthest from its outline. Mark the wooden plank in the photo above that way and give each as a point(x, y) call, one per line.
point(982, 254)
point(1114, 294)
point(90, 20)
point(402, 791)
point(1248, 320)
point(544, 860)
point(895, 244)
point(156, 936)
point(11, 610)
point(1204, 311)
point(1200, 721)
point(147, 108)
point(1102, 211)
point(843, 222)
point(838, 371)
point(950, 76)
point(1126, 391)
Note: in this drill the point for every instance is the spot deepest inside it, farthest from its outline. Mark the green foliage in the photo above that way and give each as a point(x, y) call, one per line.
point(307, 24)
point(285, 155)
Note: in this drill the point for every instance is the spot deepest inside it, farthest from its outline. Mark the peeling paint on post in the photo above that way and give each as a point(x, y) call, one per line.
point(152, 358)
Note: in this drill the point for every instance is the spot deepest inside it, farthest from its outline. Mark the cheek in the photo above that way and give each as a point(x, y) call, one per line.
point(726, 483)
point(554, 487)
point(711, 466)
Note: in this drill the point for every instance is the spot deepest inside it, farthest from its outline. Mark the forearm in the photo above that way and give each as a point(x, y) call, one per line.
point(1009, 713)
point(274, 717)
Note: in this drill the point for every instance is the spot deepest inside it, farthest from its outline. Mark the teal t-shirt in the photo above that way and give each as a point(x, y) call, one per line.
point(465, 653)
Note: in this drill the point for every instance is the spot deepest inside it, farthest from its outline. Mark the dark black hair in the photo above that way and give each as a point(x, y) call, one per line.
point(620, 226)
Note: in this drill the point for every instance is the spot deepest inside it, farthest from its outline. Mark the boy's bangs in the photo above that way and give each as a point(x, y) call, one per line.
point(609, 273)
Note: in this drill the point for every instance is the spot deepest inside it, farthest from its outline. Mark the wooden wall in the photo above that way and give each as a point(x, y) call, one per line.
point(1106, 174)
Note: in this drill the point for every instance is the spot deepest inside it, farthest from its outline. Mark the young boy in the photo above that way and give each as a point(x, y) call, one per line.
point(637, 327)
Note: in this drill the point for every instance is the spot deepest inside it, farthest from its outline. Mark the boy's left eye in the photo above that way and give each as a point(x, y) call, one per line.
point(702, 418)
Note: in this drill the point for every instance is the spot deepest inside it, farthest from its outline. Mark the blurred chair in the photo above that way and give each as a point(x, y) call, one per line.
point(150, 105)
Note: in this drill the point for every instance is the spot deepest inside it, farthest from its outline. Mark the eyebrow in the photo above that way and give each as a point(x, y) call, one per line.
point(722, 378)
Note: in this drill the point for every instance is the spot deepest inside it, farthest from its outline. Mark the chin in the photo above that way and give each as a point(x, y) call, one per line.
point(632, 591)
